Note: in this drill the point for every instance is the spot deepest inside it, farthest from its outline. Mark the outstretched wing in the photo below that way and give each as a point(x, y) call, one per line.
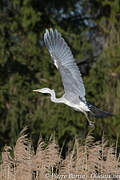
point(64, 61)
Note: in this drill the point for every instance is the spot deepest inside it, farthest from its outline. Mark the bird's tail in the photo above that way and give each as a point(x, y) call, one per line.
point(97, 112)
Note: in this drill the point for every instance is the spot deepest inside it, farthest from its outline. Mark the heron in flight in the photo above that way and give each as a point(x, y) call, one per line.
point(63, 59)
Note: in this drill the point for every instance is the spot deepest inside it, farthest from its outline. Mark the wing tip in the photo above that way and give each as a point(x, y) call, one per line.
point(98, 112)
point(53, 32)
point(48, 34)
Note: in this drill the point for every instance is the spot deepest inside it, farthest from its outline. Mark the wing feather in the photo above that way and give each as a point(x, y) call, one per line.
point(63, 58)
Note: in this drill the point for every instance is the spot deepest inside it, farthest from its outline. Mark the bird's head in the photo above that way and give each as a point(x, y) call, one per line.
point(43, 90)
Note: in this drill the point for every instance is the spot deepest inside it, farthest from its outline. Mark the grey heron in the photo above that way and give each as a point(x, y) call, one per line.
point(63, 59)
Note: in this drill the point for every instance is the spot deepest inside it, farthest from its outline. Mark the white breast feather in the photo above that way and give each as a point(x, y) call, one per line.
point(81, 106)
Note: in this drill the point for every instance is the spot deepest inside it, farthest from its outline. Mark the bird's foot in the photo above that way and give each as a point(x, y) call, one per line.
point(91, 124)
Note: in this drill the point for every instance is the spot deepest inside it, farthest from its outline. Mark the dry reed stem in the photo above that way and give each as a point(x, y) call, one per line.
point(86, 161)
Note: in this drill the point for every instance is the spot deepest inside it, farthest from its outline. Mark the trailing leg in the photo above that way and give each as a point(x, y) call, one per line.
point(90, 122)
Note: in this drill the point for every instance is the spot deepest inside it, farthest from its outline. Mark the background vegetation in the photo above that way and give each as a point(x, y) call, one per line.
point(92, 160)
point(91, 28)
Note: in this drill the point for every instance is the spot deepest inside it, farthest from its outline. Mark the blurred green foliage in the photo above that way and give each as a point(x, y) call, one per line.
point(25, 65)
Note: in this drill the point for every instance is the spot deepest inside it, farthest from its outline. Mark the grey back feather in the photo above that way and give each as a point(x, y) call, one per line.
point(64, 61)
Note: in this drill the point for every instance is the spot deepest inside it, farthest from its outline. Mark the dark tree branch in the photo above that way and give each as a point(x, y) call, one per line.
point(85, 60)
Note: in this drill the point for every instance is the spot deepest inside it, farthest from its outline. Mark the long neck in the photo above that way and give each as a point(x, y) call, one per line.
point(54, 99)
